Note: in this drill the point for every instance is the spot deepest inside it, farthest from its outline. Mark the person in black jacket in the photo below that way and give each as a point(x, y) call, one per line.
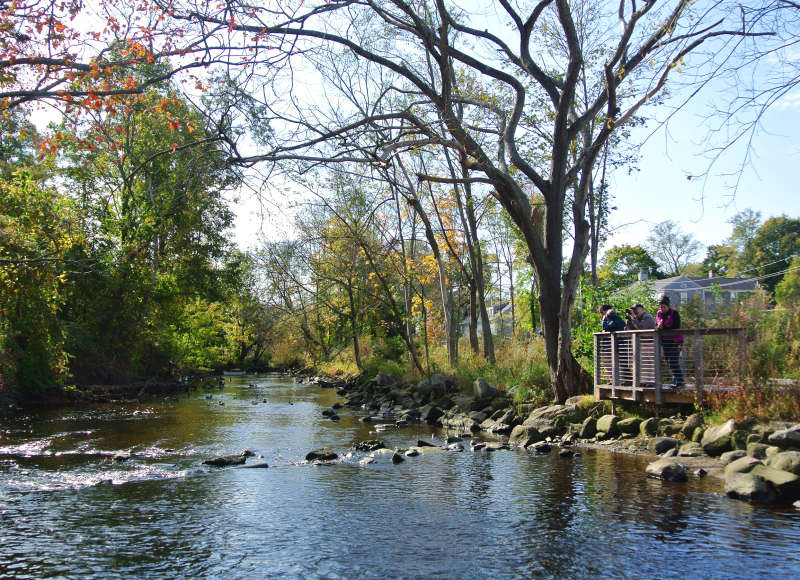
point(612, 321)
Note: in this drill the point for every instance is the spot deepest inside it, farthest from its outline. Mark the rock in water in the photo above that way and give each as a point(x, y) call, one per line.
point(667, 470)
point(661, 445)
point(324, 454)
point(226, 460)
point(748, 487)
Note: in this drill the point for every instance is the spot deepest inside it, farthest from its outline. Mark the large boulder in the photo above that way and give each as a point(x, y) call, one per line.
point(459, 421)
point(502, 421)
point(483, 390)
point(629, 426)
point(717, 440)
point(692, 422)
point(545, 427)
point(730, 456)
point(522, 436)
point(660, 445)
point(667, 470)
point(786, 438)
point(430, 414)
point(648, 427)
point(742, 465)
point(558, 415)
point(786, 484)
point(608, 424)
point(739, 439)
point(588, 428)
point(785, 461)
point(748, 487)
point(691, 449)
point(757, 450)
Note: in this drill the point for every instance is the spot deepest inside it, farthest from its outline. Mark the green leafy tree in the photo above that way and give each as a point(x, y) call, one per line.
point(787, 291)
point(773, 247)
point(37, 233)
point(621, 265)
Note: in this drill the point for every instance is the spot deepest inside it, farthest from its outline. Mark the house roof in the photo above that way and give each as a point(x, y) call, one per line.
point(683, 283)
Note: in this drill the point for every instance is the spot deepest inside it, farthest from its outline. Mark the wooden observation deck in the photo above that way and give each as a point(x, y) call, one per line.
point(630, 365)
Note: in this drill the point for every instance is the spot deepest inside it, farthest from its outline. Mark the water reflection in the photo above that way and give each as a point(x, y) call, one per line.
point(506, 514)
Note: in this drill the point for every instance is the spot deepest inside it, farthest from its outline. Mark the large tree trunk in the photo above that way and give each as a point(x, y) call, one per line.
point(473, 317)
point(476, 258)
point(448, 306)
point(353, 316)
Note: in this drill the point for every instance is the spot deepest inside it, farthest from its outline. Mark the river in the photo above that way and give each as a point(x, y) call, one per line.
point(67, 509)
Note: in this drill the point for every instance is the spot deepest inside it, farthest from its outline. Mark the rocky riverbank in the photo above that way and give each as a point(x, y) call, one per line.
point(757, 463)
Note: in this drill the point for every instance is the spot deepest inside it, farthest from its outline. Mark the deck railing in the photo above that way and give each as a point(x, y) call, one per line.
point(649, 365)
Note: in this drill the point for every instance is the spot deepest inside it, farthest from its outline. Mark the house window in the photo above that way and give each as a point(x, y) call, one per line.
point(684, 297)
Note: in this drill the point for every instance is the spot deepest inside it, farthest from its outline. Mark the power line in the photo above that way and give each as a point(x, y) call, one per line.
point(765, 265)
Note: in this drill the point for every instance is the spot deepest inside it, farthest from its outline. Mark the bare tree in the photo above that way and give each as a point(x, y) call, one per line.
point(504, 96)
point(530, 131)
point(672, 249)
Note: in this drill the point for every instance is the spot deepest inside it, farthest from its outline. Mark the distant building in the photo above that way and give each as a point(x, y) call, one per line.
point(710, 291)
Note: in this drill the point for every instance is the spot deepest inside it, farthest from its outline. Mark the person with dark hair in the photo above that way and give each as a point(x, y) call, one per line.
point(638, 318)
point(667, 318)
point(612, 321)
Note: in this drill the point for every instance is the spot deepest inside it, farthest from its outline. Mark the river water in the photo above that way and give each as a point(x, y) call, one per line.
point(68, 510)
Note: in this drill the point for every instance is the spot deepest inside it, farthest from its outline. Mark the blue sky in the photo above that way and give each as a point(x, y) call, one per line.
point(702, 207)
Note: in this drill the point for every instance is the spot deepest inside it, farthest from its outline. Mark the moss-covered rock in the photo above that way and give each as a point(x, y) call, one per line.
point(667, 470)
point(691, 450)
point(717, 440)
point(785, 483)
point(692, 422)
point(648, 427)
point(742, 465)
point(730, 456)
point(629, 426)
point(757, 450)
point(661, 445)
point(786, 438)
point(785, 461)
point(748, 487)
point(523, 436)
point(588, 428)
point(608, 424)
point(739, 439)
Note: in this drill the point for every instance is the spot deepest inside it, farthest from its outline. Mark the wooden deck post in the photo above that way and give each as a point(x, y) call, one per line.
point(597, 355)
point(699, 367)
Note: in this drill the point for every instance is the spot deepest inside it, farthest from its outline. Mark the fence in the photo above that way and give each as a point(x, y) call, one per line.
point(668, 366)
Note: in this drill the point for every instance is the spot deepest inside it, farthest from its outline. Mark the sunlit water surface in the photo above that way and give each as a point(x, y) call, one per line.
point(67, 509)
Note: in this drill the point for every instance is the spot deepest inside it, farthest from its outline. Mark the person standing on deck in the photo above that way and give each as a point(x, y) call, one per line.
point(639, 319)
point(612, 321)
point(667, 318)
